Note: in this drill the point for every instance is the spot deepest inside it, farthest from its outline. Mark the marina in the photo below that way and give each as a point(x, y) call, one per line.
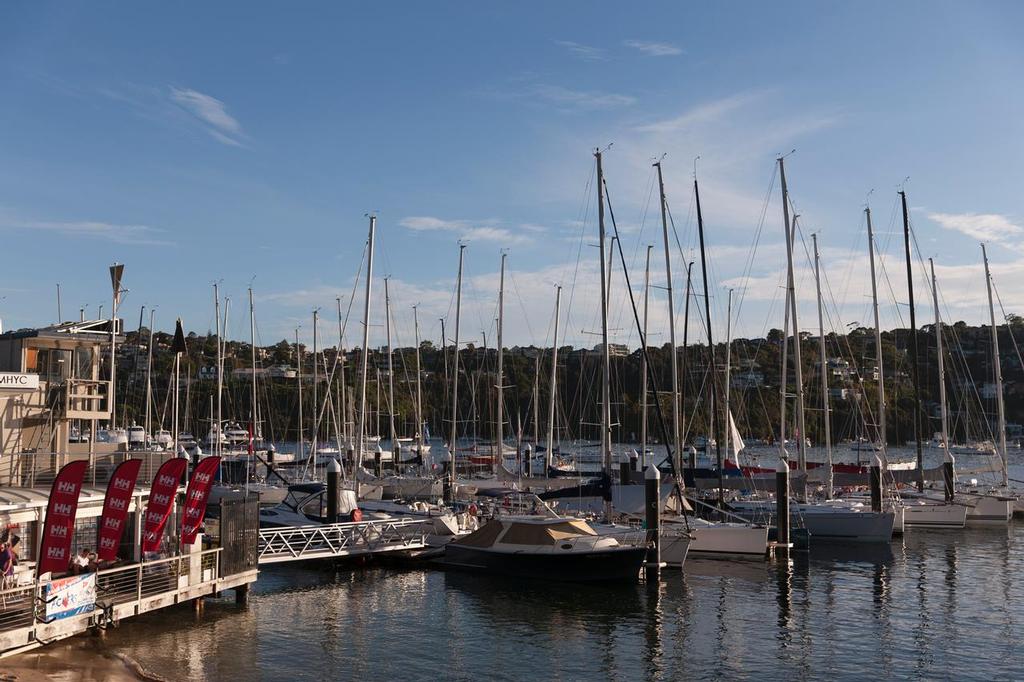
point(487, 342)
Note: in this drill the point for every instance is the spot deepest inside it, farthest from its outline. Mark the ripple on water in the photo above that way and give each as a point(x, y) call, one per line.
point(936, 605)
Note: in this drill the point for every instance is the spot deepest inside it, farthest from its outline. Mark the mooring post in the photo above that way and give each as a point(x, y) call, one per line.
point(949, 476)
point(377, 462)
point(333, 490)
point(652, 503)
point(782, 509)
point(528, 454)
point(876, 485)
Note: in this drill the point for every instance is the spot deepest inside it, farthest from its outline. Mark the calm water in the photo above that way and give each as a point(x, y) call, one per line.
point(937, 605)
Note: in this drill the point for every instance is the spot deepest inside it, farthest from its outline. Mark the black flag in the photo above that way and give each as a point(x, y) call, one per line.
point(116, 270)
point(178, 345)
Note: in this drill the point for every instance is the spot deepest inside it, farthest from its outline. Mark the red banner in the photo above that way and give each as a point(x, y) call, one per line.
point(55, 549)
point(115, 509)
point(195, 498)
point(161, 498)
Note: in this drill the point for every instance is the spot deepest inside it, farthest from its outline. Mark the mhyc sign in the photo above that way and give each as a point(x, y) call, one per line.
point(18, 382)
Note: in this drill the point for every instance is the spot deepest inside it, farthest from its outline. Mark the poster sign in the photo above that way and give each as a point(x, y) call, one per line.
point(70, 596)
point(16, 381)
point(55, 548)
point(161, 499)
point(115, 509)
point(196, 497)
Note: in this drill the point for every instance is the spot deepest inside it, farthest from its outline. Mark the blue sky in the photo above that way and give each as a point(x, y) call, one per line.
point(245, 143)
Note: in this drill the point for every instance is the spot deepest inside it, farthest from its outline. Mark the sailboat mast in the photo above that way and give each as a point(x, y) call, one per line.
point(676, 433)
point(553, 388)
point(536, 414)
point(711, 344)
point(915, 371)
point(391, 372)
point(882, 437)
point(824, 369)
point(643, 361)
point(215, 428)
point(686, 338)
point(361, 431)
point(791, 286)
point(418, 434)
point(149, 372)
point(252, 344)
point(496, 456)
point(343, 390)
point(606, 416)
point(455, 371)
point(298, 377)
point(997, 370)
point(728, 376)
point(316, 389)
point(942, 366)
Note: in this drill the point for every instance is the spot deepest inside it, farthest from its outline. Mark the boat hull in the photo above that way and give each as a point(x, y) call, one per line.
point(728, 542)
point(620, 564)
point(934, 516)
point(990, 511)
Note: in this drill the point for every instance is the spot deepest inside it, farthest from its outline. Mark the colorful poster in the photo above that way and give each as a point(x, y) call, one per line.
point(161, 499)
point(196, 497)
point(55, 548)
point(70, 596)
point(115, 509)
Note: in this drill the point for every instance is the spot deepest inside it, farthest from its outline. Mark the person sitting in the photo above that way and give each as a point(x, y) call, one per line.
point(80, 562)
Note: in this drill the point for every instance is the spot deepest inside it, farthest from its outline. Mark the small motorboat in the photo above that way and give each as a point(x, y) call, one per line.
point(560, 549)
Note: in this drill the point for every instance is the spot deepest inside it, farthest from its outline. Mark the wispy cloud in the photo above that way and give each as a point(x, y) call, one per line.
point(139, 235)
point(986, 227)
point(567, 98)
point(486, 230)
point(584, 52)
point(654, 49)
point(211, 113)
point(705, 112)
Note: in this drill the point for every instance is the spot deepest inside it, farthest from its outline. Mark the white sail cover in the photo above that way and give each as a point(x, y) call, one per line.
point(734, 436)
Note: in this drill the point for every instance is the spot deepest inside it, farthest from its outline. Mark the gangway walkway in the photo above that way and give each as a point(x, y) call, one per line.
point(339, 540)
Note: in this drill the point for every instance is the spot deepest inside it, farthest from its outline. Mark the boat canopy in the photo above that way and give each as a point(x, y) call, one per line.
point(526, 533)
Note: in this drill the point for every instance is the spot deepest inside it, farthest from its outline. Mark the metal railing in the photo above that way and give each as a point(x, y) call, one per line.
point(24, 607)
point(300, 543)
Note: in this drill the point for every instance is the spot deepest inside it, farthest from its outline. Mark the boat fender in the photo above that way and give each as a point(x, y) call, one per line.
point(357, 515)
point(472, 510)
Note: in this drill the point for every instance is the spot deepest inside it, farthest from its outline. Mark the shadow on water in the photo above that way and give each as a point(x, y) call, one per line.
point(933, 605)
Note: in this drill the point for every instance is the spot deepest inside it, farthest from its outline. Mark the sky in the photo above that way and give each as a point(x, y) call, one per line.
point(245, 144)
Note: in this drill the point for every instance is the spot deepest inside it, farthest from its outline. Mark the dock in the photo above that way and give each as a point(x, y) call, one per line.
point(340, 540)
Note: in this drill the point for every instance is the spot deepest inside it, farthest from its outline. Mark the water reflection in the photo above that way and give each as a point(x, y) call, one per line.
point(933, 603)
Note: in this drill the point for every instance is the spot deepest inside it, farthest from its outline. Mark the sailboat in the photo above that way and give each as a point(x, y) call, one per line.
point(829, 520)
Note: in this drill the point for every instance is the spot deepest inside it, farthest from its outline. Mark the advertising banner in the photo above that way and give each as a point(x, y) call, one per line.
point(161, 499)
point(55, 548)
point(115, 509)
point(70, 596)
point(196, 497)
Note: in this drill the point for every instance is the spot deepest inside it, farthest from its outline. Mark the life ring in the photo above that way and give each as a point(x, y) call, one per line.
point(357, 515)
point(472, 510)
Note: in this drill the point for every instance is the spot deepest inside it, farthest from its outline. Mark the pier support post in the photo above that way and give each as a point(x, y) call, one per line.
point(876, 485)
point(652, 505)
point(949, 476)
point(333, 491)
point(197, 605)
point(782, 508)
point(242, 595)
